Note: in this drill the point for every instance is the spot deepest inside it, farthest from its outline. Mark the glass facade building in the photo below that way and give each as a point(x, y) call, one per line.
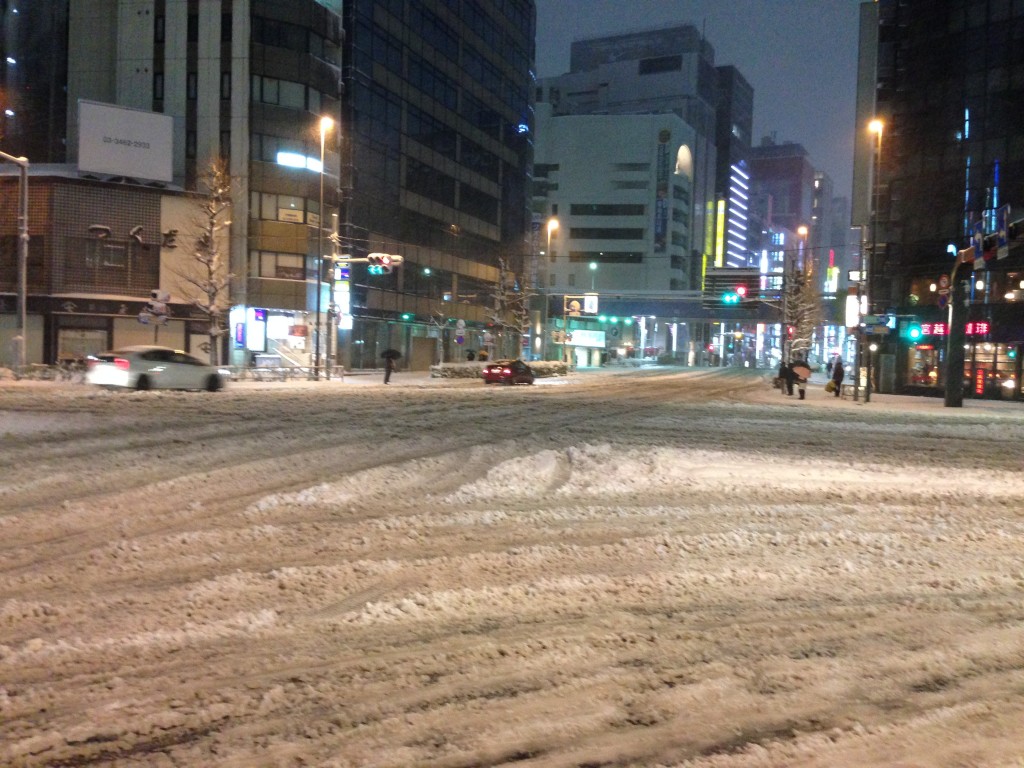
point(946, 79)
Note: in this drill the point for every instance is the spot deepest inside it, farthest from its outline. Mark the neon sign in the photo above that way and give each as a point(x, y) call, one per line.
point(979, 328)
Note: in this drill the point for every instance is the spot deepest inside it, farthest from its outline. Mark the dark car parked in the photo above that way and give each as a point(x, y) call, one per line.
point(507, 372)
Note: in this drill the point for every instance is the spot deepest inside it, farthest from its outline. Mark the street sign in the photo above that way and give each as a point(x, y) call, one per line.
point(878, 330)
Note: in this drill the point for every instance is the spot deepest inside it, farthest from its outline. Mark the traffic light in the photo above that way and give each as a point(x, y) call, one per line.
point(912, 331)
point(379, 263)
point(735, 296)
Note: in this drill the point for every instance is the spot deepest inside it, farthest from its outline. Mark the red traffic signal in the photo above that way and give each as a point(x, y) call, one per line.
point(379, 263)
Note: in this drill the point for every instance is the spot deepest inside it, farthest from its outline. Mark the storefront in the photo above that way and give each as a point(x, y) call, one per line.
point(992, 360)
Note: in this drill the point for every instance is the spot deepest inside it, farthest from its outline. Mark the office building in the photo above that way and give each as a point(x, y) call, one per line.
point(944, 81)
point(425, 156)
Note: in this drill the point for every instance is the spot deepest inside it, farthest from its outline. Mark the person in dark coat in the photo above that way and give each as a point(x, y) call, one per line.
point(389, 367)
point(787, 377)
point(837, 376)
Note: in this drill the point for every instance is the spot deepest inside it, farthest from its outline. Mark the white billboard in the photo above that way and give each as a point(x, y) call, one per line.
point(116, 141)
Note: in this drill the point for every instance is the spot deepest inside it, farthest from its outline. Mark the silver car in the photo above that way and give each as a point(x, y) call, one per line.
point(152, 367)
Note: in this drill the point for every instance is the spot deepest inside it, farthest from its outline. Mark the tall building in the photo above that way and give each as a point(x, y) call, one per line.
point(944, 81)
point(439, 135)
point(666, 70)
point(424, 155)
point(734, 119)
point(33, 79)
point(620, 188)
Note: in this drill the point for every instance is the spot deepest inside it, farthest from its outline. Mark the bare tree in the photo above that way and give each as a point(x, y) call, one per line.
point(439, 320)
point(510, 316)
point(206, 282)
point(803, 312)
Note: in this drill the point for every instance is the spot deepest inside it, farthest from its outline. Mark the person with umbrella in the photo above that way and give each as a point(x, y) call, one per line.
point(801, 373)
point(389, 355)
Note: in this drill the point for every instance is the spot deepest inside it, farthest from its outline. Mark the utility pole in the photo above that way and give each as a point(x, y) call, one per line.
point(23, 236)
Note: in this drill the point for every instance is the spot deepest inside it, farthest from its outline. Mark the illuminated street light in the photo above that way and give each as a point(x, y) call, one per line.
point(876, 127)
point(326, 124)
point(552, 226)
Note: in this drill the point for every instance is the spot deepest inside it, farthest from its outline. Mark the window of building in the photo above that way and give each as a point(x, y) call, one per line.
point(190, 144)
point(606, 233)
point(606, 257)
point(430, 132)
point(191, 86)
point(280, 266)
point(477, 203)
point(159, 29)
point(433, 30)
point(606, 209)
point(429, 182)
point(158, 86)
point(292, 95)
point(225, 86)
point(272, 207)
point(478, 159)
point(433, 82)
point(659, 64)
point(225, 27)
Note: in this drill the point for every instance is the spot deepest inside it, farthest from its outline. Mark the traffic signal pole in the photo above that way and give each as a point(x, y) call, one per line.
point(955, 338)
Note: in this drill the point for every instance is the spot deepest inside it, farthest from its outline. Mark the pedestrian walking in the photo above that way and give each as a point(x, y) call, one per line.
point(389, 367)
point(837, 376)
point(786, 377)
point(801, 373)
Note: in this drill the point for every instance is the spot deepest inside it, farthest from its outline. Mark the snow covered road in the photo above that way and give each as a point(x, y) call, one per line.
point(664, 567)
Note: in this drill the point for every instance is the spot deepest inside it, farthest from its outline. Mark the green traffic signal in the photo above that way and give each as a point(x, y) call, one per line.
point(730, 298)
point(913, 332)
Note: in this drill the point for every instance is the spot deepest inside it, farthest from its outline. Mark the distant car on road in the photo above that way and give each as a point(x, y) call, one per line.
point(152, 367)
point(507, 372)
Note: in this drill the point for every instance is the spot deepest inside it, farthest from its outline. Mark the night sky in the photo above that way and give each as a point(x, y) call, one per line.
point(800, 56)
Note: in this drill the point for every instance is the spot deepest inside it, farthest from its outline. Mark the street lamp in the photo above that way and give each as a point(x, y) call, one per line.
point(876, 127)
point(593, 273)
point(326, 124)
point(552, 226)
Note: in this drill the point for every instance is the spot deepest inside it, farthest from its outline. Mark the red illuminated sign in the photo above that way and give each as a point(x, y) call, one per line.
point(980, 328)
point(979, 381)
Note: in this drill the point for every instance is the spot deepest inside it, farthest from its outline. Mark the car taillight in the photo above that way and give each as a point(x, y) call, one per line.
point(506, 371)
point(121, 363)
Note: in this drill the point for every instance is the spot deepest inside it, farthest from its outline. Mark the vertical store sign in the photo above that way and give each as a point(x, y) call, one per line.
point(341, 296)
point(661, 201)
